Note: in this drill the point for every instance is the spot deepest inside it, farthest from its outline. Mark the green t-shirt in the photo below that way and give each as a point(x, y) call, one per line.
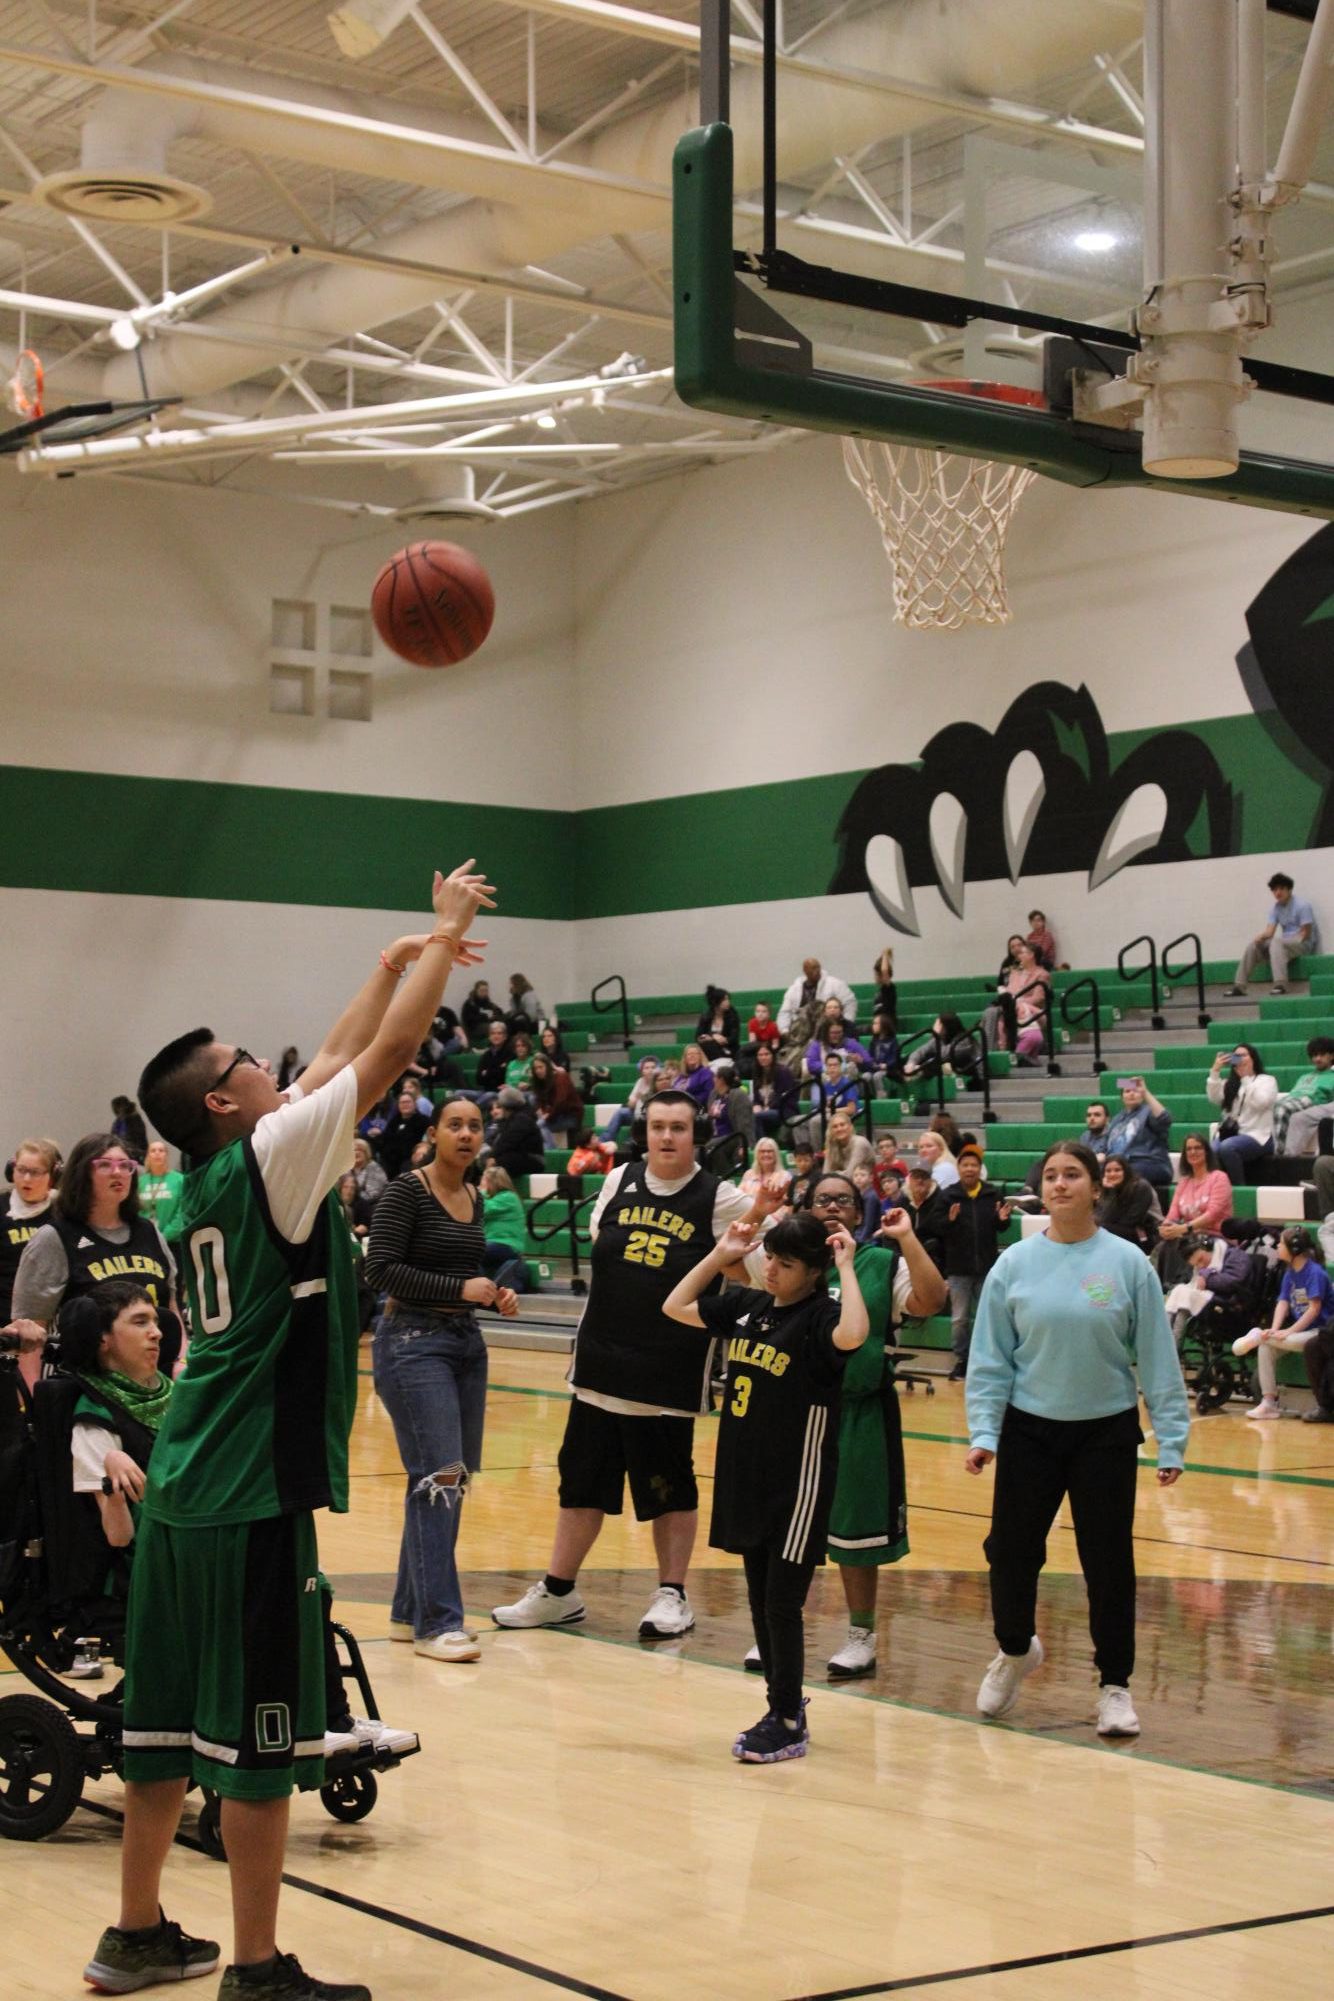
point(260, 1418)
point(160, 1199)
point(519, 1072)
point(1317, 1085)
point(876, 1267)
point(502, 1216)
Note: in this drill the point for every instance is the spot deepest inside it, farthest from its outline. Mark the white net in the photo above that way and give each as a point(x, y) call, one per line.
point(944, 520)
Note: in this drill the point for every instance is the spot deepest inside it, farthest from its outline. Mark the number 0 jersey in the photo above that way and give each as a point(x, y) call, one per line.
point(259, 1421)
point(773, 1480)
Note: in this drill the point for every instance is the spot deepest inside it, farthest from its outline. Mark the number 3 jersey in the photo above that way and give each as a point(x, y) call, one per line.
point(773, 1481)
point(259, 1420)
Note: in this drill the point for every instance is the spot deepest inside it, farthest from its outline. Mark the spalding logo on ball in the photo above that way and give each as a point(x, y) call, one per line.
point(433, 604)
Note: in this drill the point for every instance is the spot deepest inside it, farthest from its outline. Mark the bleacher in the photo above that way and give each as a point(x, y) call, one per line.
point(1030, 1107)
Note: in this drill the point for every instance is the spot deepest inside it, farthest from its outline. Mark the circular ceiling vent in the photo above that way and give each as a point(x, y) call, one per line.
point(446, 510)
point(133, 197)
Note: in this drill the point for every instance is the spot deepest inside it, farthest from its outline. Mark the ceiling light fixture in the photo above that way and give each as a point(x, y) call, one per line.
point(360, 26)
point(1095, 240)
point(545, 420)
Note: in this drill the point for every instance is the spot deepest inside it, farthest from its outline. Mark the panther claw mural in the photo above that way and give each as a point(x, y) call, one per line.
point(1039, 795)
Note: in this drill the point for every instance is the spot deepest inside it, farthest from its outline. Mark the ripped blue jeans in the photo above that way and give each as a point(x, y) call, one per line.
point(430, 1375)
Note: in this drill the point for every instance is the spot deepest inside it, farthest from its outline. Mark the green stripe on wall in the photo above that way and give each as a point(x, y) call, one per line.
point(752, 844)
point(258, 844)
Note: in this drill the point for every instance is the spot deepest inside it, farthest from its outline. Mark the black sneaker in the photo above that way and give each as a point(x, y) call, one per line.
point(770, 1741)
point(958, 1373)
point(1318, 1416)
point(126, 1961)
point(284, 1979)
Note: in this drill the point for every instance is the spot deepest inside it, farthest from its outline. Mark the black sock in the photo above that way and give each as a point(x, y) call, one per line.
point(679, 1589)
point(559, 1587)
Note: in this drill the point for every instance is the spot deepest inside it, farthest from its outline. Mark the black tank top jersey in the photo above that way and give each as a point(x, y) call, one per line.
point(646, 1243)
point(94, 1259)
point(773, 1480)
point(15, 1232)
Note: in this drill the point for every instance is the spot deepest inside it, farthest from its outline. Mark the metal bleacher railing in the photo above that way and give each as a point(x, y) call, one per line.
point(1159, 968)
point(620, 999)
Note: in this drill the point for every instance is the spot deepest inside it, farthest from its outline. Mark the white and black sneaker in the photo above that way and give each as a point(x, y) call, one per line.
point(540, 1607)
point(855, 1657)
point(752, 1663)
point(1003, 1679)
point(668, 1616)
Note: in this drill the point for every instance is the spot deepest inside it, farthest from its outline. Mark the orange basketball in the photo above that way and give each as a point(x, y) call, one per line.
point(433, 604)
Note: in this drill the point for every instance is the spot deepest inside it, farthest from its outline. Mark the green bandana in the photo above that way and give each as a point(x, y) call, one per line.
point(145, 1402)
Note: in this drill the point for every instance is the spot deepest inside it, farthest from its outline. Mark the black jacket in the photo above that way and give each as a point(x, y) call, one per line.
point(398, 1139)
point(476, 1015)
point(930, 1223)
point(517, 1146)
point(971, 1246)
point(491, 1067)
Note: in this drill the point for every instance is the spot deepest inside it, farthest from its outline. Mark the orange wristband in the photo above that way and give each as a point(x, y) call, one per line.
point(390, 967)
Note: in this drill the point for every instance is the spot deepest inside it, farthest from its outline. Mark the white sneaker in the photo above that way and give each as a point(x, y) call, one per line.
point(752, 1663)
point(539, 1607)
point(402, 1630)
point(383, 1736)
point(668, 1616)
point(1001, 1682)
point(1267, 1407)
point(1116, 1713)
point(856, 1655)
point(340, 1740)
point(1245, 1342)
point(454, 1646)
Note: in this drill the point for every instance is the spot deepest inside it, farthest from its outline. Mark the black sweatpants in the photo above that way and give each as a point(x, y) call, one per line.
point(1319, 1358)
point(1039, 1461)
point(777, 1592)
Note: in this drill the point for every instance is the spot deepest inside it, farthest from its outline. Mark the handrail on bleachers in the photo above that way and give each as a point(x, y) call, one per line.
point(1092, 1012)
point(569, 1192)
point(619, 999)
point(1044, 1014)
point(1193, 969)
point(1136, 972)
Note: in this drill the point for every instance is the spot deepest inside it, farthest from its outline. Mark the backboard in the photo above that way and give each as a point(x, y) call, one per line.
point(843, 234)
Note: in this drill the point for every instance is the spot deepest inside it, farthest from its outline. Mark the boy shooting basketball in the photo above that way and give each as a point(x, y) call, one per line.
point(223, 1675)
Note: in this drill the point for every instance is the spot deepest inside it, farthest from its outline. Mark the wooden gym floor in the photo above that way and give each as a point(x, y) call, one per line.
point(575, 1822)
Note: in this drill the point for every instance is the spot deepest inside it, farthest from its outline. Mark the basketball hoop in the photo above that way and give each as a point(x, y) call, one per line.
point(26, 385)
point(944, 519)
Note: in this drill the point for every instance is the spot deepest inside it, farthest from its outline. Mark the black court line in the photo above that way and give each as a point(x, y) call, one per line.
point(455, 1940)
point(1073, 1953)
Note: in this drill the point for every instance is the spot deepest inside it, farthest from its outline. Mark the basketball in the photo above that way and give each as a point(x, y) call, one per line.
point(433, 604)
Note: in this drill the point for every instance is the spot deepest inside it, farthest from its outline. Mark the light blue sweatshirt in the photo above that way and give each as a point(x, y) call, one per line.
point(1061, 1330)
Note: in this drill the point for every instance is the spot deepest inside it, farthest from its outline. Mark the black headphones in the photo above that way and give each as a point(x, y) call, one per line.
point(639, 1126)
point(57, 1169)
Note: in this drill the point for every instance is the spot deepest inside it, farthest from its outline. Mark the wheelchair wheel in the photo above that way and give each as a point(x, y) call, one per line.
point(41, 1768)
point(1214, 1384)
point(209, 1827)
point(350, 1796)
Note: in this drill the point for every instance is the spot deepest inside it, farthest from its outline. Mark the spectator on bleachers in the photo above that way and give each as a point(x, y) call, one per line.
point(1138, 1133)
point(519, 1067)
point(1298, 1112)
point(1291, 929)
point(160, 1188)
point(646, 1083)
point(448, 1035)
point(836, 1088)
point(479, 1011)
point(127, 1125)
point(1014, 1019)
point(371, 1177)
point(888, 1161)
point(516, 1142)
point(525, 1009)
point(1201, 1202)
point(974, 1218)
point(883, 1062)
point(1094, 1135)
point(1128, 1205)
point(405, 1128)
point(550, 1044)
point(844, 1147)
point(377, 1118)
point(591, 1155)
point(559, 1108)
point(1218, 1270)
point(729, 1106)
point(951, 1045)
point(355, 1208)
point(1011, 959)
point(696, 1078)
point(492, 1063)
point(928, 1209)
point(832, 1038)
point(872, 1207)
point(888, 1186)
point(815, 986)
point(761, 1029)
point(803, 1172)
point(766, 1162)
point(935, 1153)
point(1042, 939)
point(947, 1126)
point(718, 1030)
point(774, 1091)
point(1246, 1097)
point(504, 1259)
point(1305, 1306)
point(289, 1067)
point(886, 991)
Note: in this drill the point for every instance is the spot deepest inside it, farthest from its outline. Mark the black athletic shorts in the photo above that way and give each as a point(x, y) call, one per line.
point(601, 1448)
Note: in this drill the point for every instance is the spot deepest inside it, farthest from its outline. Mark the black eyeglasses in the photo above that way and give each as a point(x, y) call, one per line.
point(242, 1056)
point(833, 1201)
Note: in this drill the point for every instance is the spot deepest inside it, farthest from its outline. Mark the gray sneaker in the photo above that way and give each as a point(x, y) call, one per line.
point(283, 1978)
point(126, 1961)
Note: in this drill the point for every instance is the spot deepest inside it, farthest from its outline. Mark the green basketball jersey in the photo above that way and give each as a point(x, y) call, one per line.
point(259, 1421)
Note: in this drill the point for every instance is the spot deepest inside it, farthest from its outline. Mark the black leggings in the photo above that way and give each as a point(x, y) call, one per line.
point(1039, 1462)
point(777, 1593)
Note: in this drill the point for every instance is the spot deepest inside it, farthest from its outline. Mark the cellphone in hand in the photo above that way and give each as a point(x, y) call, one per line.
point(1124, 1083)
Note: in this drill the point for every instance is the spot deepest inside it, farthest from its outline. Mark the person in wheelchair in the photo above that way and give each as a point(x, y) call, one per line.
point(1221, 1274)
point(110, 1342)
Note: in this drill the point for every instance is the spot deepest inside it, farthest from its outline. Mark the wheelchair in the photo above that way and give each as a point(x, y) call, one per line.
point(62, 1586)
point(1206, 1343)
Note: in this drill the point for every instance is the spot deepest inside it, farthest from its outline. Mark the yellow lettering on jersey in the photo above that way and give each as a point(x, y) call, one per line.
point(645, 1216)
point(758, 1355)
point(21, 1233)
point(136, 1265)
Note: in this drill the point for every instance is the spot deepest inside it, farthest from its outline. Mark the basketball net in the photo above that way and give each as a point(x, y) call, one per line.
point(25, 386)
point(943, 520)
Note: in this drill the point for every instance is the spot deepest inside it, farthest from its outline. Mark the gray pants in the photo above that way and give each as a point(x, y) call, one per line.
point(964, 1294)
point(1297, 1124)
point(1277, 950)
